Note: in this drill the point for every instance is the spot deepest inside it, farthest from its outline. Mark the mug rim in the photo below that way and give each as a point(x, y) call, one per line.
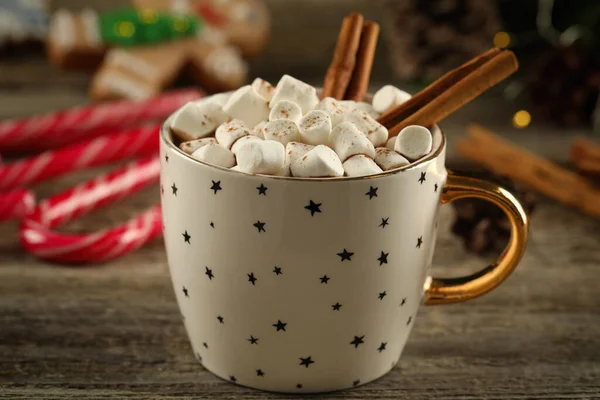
point(165, 131)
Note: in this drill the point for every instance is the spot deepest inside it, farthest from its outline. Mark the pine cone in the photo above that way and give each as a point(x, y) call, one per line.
point(483, 226)
point(429, 37)
point(565, 85)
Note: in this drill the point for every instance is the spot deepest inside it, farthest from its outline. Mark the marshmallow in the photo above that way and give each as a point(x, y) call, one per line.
point(281, 130)
point(315, 127)
point(193, 121)
point(389, 159)
point(231, 131)
point(215, 154)
point(263, 88)
point(247, 105)
point(285, 109)
point(366, 107)
point(220, 98)
point(240, 142)
point(360, 165)
point(346, 140)
point(333, 108)
point(258, 130)
point(318, 162)
point(377, 133)
point(388, 97)
point(190, 146)
point(391, 142)
point(414, 142)
point(215, 112)
point(261, 157)
point(294, 150)
point(296, 91)
point(284, 171)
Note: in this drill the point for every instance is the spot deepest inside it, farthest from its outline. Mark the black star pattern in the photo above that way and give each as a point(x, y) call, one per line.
point(212, 224)
point(221, 319)
point(253, 340)
point(358, 340)
point(324, 279)
point(260, 226)
point(403, 301)
point(435, 187)
point(205, 344)
point(209, 273)
point(262, 189)
point(280, 325)
point(185, 292)
point(174, 189)
point(409, 320)
point(383, 258)
point(299, 386)
point(306, 361)
point(419, 242)
point(422, 178)
point(232, 378)
point(345, 255)
point(216, 186)
point(384, 222)
point(252, 279)
point(382, 295)
point(259, 372)
point(336, 306)
point(277, 270)
point(198, 356)
point(356, 382)
point(313, 207)
point(382, 347)
point(166, 157)
point(372, 192)
point(162, 189)
point(186, 237)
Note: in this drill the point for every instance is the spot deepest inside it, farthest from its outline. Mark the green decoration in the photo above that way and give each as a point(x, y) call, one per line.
point(127, 28)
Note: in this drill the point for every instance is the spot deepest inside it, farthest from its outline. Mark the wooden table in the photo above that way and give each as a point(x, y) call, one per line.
point(114, 331)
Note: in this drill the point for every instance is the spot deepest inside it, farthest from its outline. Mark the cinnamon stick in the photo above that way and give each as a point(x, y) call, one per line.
point(466, 89)
point(504, 158)
point(404, 110)
point(344, 58)
point(359, 84)
point(585, 156)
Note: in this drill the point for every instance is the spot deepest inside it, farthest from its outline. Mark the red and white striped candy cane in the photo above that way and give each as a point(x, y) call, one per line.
point(102, 150)
point(53, 130)
point(38, 238)
point(16, 204)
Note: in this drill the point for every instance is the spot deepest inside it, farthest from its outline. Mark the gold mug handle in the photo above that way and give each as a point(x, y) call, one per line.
point(454, 290)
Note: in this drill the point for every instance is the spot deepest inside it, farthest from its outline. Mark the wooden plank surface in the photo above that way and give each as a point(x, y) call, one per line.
point(114, 331)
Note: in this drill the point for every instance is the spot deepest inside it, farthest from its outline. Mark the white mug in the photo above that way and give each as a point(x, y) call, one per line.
point(312, 285)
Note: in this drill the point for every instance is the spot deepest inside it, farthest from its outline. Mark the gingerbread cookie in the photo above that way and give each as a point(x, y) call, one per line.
point(135, 63)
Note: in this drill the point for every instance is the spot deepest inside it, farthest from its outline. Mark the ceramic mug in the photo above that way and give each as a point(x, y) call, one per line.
point(312, 285)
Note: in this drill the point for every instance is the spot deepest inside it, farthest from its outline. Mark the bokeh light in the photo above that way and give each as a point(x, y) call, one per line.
point(521, 119)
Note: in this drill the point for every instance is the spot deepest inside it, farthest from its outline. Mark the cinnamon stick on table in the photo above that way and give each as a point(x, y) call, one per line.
point(504, 158)
point(452, 91)
point(359, 84)
point(585, 156)
point(344, 58)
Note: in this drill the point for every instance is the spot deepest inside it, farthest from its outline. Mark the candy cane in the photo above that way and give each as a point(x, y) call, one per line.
point(102, 150)
point(53, 130)
point(16, 204)
point(38, 238)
